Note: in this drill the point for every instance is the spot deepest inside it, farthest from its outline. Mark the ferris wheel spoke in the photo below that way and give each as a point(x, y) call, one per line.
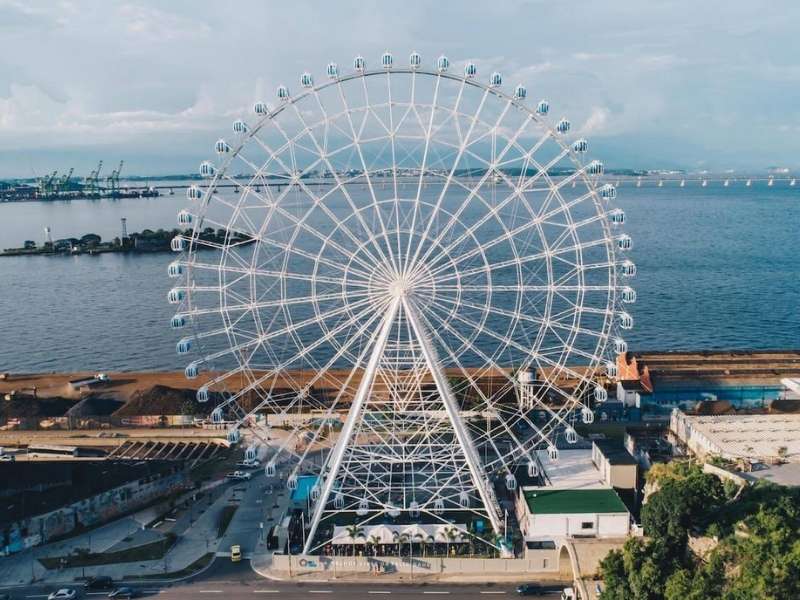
point(293, 327)
point(285, 247)
point(512, 343)
point(267, 273)
point(250, 306)
point(511, 234)
point(323, 373)
point(394, 128)
point(423, 166)
point(489, 171)
point(327, 240)
point(344, 386)
point(493, 368)
point(318, 202)
point(463, 142)
point(371, 319)
point(347, 195)
point(474, 384)
point(517, 261)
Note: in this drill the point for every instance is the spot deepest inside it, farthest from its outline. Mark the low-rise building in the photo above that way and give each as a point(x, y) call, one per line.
point(765, 446)
point(554, 513)
point(617, 467)
point(576, 501)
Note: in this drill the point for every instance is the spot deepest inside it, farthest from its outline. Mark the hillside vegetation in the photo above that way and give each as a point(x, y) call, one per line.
point(752, 542)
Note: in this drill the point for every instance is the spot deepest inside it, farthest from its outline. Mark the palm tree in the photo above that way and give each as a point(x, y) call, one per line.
point(499, 540)
point(354, 531)
point(375, 540)
point(419, 537)
point(451, 534)
point(429, 540)
point(403, 538)
point(400, 539)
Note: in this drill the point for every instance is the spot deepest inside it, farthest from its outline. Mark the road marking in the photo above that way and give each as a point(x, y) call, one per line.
point(379, 592)
point(435, 592)
point(320, 591)
point(493, 592)
point(266, 591)
point(96, 594)
point(37, 596)
point(209, 591)
point(153, 591)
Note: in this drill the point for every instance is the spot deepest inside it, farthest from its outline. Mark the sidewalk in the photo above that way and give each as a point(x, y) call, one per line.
point(265, 569)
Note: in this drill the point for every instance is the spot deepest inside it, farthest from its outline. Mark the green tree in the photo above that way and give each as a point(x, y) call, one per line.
point(355, 531)
point(758, 556)
point(615, 577)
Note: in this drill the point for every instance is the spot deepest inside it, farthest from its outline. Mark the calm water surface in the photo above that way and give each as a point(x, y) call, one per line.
point(717, 268)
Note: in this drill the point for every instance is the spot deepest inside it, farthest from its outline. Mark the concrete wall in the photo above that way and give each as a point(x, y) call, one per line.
point(544, 562)
point(622, 476)
point(39, 529)
point(698, 443)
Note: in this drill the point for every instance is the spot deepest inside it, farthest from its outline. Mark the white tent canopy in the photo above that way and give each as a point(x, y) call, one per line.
point(387, 534)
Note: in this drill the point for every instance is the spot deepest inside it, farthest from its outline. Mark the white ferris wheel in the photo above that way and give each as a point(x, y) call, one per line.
point(406, 282)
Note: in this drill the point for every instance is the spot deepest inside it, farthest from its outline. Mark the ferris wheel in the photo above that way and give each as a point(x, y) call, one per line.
point(407, 282)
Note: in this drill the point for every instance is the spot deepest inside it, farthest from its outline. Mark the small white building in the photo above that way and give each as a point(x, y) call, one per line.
point(576, 502)
point(554, 513)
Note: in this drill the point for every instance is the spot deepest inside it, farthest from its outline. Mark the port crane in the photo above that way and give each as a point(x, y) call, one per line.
point(113, 179)
point(92, 181)
point(46, 183)
point(64, 182)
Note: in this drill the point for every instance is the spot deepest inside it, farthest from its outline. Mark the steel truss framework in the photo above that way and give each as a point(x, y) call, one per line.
point(417, 277)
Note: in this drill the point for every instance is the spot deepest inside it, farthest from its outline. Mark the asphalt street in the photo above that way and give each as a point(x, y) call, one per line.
point(236, 580)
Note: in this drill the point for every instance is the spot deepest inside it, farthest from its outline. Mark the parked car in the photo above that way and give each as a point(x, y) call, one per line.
point(7, 457)
point(124, 592)
point(239, 475)
point(249, 463)
point(101, 582)
point(63, 594)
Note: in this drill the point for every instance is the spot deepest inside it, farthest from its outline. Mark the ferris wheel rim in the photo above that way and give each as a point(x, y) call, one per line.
point(417, 268)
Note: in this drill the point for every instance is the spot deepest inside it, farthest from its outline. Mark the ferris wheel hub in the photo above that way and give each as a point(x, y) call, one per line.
point(399, 288)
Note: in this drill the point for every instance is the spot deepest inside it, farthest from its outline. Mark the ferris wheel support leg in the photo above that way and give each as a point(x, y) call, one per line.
point(360, 398)
point(446, 394)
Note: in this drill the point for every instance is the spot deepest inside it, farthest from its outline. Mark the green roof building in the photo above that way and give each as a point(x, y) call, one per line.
point(546, 513)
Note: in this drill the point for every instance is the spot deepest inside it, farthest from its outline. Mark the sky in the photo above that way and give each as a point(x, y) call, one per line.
point(653, 84)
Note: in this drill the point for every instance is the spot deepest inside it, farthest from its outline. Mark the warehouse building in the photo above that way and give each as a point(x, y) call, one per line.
point(764, 446)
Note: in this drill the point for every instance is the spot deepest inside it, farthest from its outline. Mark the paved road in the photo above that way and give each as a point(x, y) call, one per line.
point(233, 581)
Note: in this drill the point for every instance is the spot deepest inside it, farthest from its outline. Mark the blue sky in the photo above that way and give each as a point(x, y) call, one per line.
point(653, 83)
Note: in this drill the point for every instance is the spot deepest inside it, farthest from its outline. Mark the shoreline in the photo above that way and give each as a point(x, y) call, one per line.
point(735, 366)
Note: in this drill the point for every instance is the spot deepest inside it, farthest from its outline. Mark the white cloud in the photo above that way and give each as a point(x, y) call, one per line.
point(100, 70)
point(596, 123)
point(149, 24)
